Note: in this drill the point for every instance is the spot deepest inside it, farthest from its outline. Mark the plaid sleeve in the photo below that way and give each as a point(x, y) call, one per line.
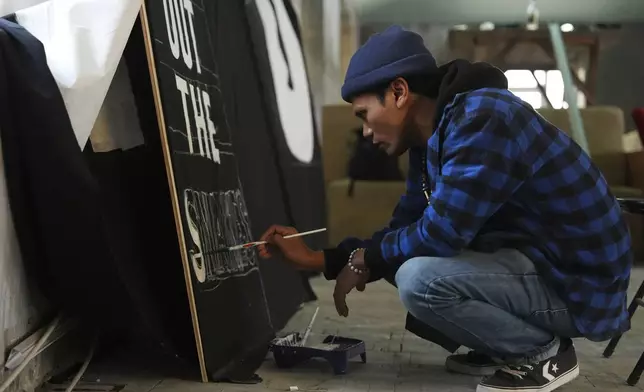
point(482, 166)
point(409, 208)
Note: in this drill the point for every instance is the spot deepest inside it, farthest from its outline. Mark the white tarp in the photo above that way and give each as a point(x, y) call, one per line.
point(84, 41)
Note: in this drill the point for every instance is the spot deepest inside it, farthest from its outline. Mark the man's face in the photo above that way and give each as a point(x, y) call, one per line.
point(386, 120)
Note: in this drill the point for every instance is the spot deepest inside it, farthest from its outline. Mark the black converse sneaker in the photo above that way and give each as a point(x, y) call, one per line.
point(544, 376)
point(472, 363)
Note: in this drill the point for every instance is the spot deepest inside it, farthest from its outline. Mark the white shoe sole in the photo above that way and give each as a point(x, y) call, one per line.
point(551, 386)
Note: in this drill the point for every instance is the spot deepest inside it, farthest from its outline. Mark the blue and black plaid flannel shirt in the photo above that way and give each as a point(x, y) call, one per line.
point(509, 179)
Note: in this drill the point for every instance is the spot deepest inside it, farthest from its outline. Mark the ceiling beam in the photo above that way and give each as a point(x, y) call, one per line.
point(446, 12)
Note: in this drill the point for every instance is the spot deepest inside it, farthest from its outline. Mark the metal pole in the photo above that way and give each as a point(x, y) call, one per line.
point(559, 48)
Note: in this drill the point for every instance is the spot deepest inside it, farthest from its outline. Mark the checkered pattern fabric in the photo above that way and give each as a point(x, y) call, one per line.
point(503, 177)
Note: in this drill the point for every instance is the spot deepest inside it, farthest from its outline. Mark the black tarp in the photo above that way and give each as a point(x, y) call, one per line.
point(266, 167)
point(280, 64)
point(288, 105)
point(74, 248)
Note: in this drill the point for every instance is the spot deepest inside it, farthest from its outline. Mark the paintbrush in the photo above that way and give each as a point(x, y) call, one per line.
point(257, 243)
point(308, 329)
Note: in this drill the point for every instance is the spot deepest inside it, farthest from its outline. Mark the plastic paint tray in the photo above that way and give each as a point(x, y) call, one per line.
point(336, 350)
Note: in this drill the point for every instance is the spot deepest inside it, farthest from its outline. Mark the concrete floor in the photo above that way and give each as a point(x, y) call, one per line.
point(396, 360)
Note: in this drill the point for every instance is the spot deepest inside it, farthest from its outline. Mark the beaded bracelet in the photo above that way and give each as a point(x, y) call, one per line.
point(352, 267)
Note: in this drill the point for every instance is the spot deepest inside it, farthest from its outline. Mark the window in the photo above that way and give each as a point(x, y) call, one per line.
point(523, 83)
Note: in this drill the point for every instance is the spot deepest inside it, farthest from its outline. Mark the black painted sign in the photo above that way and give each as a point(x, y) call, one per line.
point(230, 310)
point(244, 155)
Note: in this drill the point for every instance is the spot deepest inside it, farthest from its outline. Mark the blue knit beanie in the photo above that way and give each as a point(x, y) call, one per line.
point(385, 56)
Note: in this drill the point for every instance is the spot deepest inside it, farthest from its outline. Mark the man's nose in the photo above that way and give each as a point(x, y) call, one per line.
point(366, 131)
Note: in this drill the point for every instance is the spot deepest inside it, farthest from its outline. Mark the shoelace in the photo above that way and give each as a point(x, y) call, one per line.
point(517, 371)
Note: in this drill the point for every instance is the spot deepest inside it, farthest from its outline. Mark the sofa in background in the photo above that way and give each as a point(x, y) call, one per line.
point(371, 205)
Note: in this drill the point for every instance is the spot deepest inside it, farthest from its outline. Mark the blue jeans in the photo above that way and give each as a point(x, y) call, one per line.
point(494, 303)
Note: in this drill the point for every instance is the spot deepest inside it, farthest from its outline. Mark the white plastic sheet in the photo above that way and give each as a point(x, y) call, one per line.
point(84, 41)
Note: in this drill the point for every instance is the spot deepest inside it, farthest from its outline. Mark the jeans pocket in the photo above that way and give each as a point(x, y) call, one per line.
point(559, 322)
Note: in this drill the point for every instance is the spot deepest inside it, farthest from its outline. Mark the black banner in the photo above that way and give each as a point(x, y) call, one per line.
point(281, 65)
point(255, 147)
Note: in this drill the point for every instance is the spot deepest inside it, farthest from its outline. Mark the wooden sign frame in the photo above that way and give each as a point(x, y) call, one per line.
point(173, 190)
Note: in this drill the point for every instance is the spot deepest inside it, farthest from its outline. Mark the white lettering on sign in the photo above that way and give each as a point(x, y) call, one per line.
point(187, 5)
point(289, 79)
point(206, 136)
point(171, 27)
point(182, 86)
point(180, 30)
point(215, 220)
point(204, 126)
point(179, 20)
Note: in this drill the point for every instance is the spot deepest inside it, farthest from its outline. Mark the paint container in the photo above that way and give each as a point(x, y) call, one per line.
point(337, 350)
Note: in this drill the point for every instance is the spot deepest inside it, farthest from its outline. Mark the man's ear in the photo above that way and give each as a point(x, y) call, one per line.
point(401, 91)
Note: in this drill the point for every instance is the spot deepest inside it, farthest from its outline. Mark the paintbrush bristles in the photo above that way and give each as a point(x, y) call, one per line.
point(288, 341)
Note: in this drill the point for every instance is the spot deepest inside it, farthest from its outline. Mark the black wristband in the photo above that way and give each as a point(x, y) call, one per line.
point(374, 261)
point(334, 260)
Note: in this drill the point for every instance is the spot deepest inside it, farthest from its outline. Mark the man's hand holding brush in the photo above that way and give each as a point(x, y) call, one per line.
point(296, 252)
point(293, 249)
